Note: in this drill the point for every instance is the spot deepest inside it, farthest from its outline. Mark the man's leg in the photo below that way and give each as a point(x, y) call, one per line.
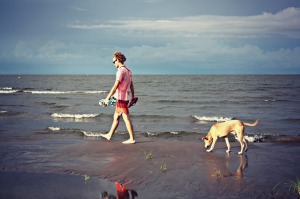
point(113, 128)
point(129, 127)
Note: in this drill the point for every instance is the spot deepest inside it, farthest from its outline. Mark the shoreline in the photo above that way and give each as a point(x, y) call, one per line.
point(176, 169)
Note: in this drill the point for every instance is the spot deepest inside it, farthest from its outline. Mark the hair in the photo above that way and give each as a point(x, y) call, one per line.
point(120, 57)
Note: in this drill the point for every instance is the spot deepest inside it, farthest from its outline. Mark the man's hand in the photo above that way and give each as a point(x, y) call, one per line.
point(105, 102)
point(133, 102)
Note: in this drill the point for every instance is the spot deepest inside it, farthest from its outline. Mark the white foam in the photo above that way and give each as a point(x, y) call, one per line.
point(91, 134)
point(3, 111)
point(255, 138)
point(54, 128)
point(7, 88)
point(252, 138)
point(269, 100)
point(64, 92)
point(149, 134)
point(5, 92)
point(11, 90)
point(8, 91)
point(76, 116)
point(212, 119)
point(249, 139)
point(91, 92)
point(46, 92)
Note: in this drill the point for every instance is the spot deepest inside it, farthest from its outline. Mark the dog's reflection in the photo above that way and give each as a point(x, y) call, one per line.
point(243, 165)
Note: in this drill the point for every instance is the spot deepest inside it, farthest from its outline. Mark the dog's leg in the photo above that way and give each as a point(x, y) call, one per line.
point(212, 145)
point(242, 145)
point(245, 147)
point(246, 144)
point(228, 145)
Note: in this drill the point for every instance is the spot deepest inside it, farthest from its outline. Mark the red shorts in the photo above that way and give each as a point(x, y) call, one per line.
point(122, 107)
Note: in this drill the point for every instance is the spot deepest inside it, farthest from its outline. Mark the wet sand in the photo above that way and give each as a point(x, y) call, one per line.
point(189, 171)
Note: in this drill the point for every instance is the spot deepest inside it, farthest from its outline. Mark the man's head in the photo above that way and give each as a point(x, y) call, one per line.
point(119, 58)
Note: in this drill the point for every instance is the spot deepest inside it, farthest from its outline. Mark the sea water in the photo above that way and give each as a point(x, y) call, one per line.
point(169, 106)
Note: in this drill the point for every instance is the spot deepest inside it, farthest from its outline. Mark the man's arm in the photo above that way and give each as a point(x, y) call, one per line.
point(112, 91)
point(132, 90)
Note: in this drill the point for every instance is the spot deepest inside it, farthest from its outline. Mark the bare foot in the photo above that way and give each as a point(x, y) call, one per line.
point(129, 142)
point(106, 136)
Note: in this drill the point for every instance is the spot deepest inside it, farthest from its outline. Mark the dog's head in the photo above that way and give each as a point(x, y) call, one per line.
point(207, 141)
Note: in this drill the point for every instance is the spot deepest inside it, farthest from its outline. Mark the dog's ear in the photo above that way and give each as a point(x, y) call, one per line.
point(205, 138)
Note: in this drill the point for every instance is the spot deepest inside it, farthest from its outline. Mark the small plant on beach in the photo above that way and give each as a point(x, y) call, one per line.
point(218, 172)
point(293, 186)
point(148, 155)
point(163, 168)
point(86, 179)
point(150, 172)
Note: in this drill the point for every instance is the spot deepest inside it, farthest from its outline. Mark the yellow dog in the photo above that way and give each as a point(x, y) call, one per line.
point(235, 127)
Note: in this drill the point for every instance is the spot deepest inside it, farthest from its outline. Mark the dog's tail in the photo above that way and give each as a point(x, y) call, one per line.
point(254, 124)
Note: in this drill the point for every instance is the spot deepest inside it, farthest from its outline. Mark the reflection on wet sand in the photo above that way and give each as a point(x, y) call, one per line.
point(243, 165)
point(225, 166)
point(122, 193)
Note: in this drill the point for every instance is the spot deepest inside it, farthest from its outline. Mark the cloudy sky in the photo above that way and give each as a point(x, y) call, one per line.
point(157, 36)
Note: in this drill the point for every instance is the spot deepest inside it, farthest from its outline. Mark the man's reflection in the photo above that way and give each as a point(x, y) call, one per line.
point(122, 193)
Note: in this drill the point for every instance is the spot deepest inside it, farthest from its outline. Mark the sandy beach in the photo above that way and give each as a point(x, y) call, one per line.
point(175, 169)
point(50, 145)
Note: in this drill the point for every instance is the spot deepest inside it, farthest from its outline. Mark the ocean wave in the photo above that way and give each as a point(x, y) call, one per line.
point(212, 119)
point(196, 135)
point(91, 134)
point(74, 131)
point(281, 138)
point(51, 128)
point(162, 117)
point(253, 138)
point(76, 116)
point(171, 134)
point(63, 92)
point(269, 100)
point(7, 90)
point(183, 135)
